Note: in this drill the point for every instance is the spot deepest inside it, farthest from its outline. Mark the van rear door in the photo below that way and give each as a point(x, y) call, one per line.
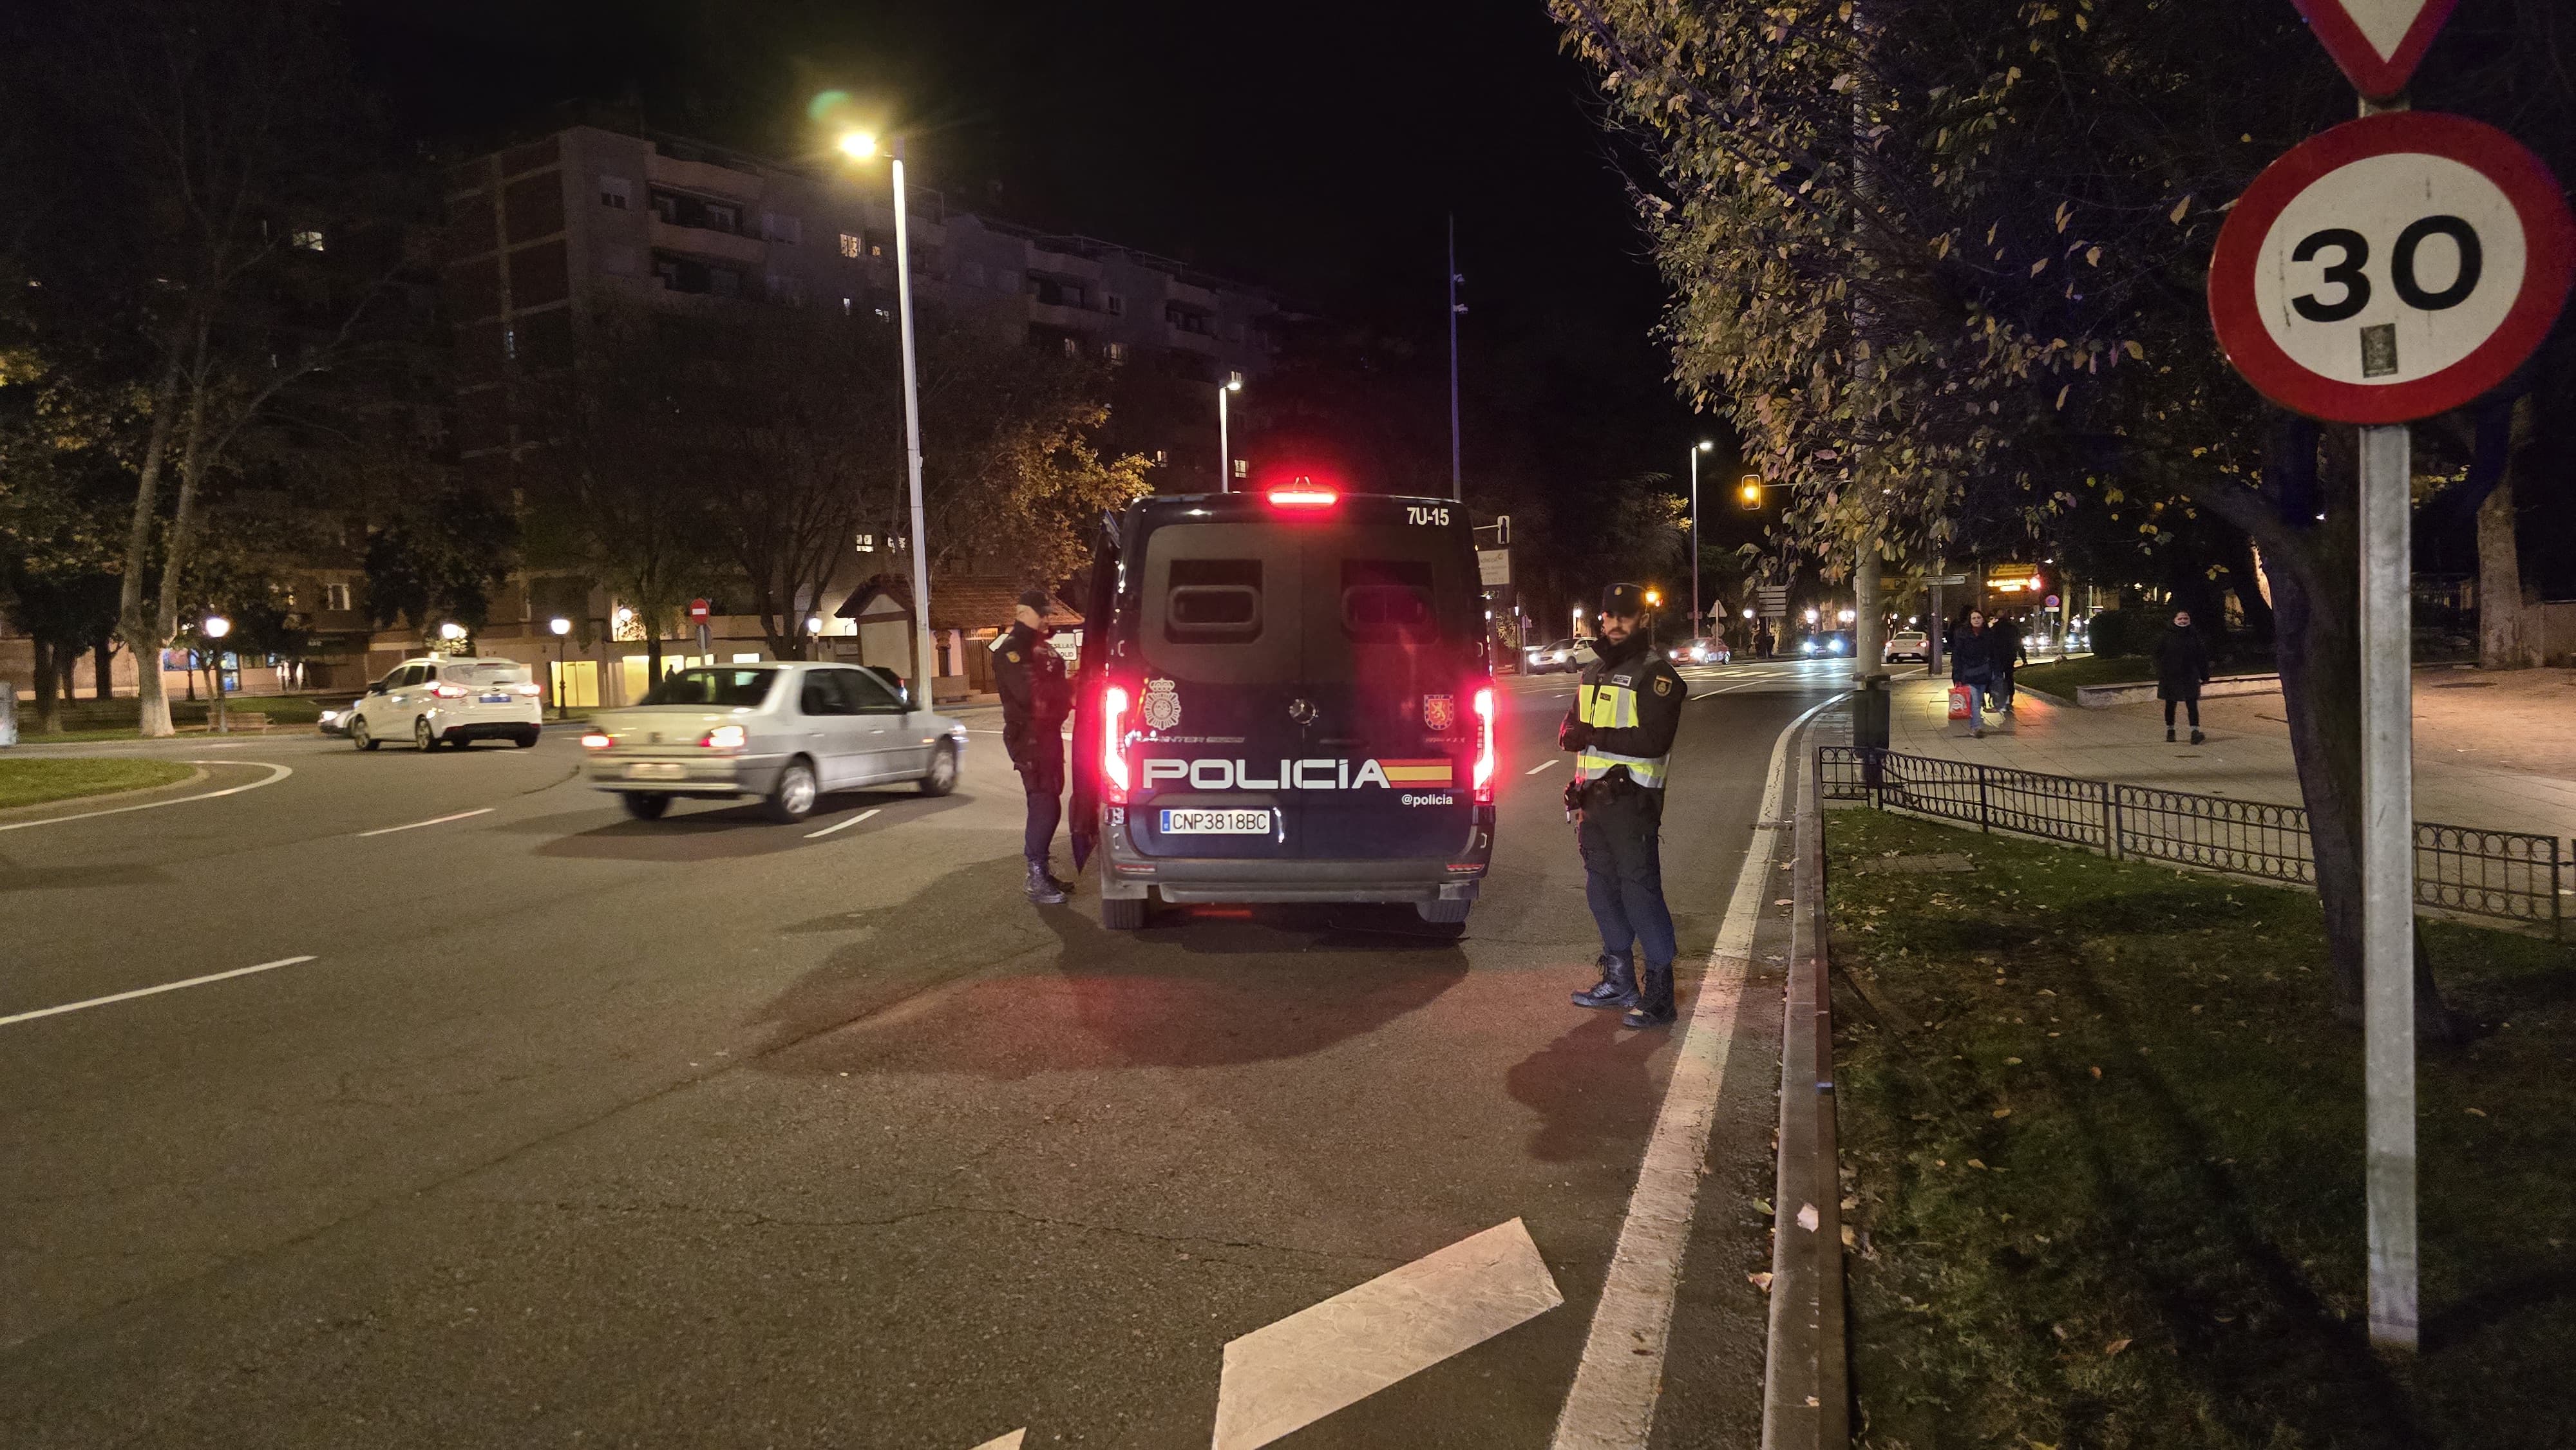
point(1219, 610)
point(1391, 662)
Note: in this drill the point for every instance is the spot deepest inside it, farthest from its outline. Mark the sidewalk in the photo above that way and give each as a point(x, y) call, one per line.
point(2494, 751)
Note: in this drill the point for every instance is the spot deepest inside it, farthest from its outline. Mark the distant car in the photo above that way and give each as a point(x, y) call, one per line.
point(1909, 644)
point(1565, 654)
point(785, 733)
point(1705, 650)
point(436, 700)
point(1818, 646)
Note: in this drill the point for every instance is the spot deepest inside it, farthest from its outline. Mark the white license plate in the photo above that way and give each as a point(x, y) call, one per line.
point(496, 699)
point(1216, 823)
point(653, 770)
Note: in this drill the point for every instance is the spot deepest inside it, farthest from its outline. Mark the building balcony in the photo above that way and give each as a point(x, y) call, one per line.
point(707, 242)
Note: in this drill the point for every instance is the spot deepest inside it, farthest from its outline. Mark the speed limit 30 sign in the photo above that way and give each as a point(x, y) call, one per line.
point(2392, 268)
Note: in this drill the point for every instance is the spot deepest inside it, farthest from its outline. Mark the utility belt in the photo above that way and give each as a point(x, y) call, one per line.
point(1615, 789)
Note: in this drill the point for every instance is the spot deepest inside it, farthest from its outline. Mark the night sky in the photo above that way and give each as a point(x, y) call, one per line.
point(1284, 144)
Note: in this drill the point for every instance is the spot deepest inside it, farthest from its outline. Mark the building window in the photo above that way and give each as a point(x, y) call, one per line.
point(867, 543)
point(780, 227)
point(1116, 304)
point(1243, 468)
point(846, 305)
point(1058, 292)
point(1162, 456)
point(335, 596)
point(509, 342)
point(849, 244)
point(1186, 319)
point(616, 193)
point(1117, 352)
point(309, 241)
point(787, 289)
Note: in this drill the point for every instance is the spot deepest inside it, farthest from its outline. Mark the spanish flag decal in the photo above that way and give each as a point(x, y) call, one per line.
point(1416, 772)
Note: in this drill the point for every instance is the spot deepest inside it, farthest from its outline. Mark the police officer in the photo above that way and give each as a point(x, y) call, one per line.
point(1621, 729)
point(1035, 699)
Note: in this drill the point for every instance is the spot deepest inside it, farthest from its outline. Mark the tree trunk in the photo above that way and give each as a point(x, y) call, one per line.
point(49, 711)
point(1869, 634)
point(2501, 645)
point(2248, 590)
point(137, 622)
point(103, 668)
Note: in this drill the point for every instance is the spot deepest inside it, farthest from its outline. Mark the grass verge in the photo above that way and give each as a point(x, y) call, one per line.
point(2104, 1145)
point(34, 782)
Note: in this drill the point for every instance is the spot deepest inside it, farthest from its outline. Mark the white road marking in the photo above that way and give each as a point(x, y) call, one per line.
point(1010, 1441)
point(1285, 1376)
point(843, 826)
point(1612, 1404)
point(280, 772)
point(432, 821)
point(1542, 765)
point(149, 991)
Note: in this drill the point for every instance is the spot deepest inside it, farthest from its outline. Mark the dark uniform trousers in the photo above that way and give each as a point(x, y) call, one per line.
point(1623, 870)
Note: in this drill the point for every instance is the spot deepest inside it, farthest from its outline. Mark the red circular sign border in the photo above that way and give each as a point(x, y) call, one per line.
point(2549, 236)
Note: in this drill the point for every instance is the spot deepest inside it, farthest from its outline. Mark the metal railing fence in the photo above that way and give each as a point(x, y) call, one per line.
point(2513, 875)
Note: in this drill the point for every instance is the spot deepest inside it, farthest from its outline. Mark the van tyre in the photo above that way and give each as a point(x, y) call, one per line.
point(1443, 913)
point(644, 805)
point(1122, 913)
point(359, 737)
point(941, 778)
point(792, 799)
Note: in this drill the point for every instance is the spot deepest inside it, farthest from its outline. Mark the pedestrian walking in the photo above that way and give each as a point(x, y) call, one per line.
point(1762, 641)
point(2182, 666)
point(1621, 729)
point(2008, 652)
point(1035, 699)
point(1972, 664)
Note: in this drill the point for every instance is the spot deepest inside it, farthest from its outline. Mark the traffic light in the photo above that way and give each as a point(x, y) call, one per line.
point(1748, 491)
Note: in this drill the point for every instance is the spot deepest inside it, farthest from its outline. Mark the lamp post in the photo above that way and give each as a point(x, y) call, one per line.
point(559, 627)
point(215, 628)
point(1701, 447)
point(858, 146)
point(1224, 435)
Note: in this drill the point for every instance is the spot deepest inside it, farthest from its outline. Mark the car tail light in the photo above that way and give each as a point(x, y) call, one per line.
point(725, 737)
point(1113, 743)
point(596, 741)
point(1484, 771)
point(530, 689)
point(449, 692)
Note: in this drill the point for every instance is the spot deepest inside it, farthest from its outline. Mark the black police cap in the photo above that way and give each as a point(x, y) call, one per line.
point(1623, 599)
point(1033, 597)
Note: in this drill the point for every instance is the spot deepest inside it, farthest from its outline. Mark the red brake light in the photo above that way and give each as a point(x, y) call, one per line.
point(530, 688)
point(448, 692)
point(1113, 743)
point(1304, 497)
point(726, 737)
point(596, 741)
point(1484, 773)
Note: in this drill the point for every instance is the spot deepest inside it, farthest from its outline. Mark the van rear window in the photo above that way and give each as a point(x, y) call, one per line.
point(1213, 601)
point(1388, 599)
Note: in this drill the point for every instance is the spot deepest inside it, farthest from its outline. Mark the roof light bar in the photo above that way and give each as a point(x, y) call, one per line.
point(1306, 497)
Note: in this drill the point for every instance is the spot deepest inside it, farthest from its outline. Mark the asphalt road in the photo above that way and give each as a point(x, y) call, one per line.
point(709, 1131)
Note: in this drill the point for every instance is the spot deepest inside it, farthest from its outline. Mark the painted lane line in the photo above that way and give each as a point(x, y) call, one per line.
point(1285, 1376)
point(432, 821)
point(1612, 1404)
point(1542, 765)
point(1010, 1441)
point(277, 773)
point(149, 991)
point(843, 826)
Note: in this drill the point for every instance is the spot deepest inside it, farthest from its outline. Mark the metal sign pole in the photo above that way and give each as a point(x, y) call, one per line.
point(2388, 882)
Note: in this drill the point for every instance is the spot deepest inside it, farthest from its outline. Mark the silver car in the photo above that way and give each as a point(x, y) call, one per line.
point(784, 733)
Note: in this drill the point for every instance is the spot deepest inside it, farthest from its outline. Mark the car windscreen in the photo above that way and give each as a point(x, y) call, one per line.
point(735, 689)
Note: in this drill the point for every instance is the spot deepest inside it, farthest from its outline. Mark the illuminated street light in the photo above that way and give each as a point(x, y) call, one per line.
point(1224, 439)
point(451, 631)
point(1701, 447)
point(216, 627)
point(1847, 616)
point(859, 146)
point(559, 627)
point(1748, 490)
point(1811, 616)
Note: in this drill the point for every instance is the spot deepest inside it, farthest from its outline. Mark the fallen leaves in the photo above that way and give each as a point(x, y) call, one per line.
point(1761, 1281)
point(2114, 1347)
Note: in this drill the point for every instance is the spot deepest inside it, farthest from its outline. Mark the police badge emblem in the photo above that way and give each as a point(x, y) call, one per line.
point(1439, 713)
point(1161, 707)
point(1663, 685)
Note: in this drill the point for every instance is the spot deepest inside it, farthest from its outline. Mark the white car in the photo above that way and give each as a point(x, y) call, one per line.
point(1565, 654)
point(1909, 644)
point(435, 700)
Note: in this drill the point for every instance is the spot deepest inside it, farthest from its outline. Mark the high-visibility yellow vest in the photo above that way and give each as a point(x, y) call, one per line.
point(1611, 705)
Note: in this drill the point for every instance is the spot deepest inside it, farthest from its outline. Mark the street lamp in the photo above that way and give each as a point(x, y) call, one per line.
point(1224, 439)
point(215, 628)
point(1748, 491)
point(859, 146)
point(559, 627)
point(1702, 447)
point(451, 632)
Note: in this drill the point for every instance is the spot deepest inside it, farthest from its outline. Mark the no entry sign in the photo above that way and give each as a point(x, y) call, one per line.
point(2392, 268)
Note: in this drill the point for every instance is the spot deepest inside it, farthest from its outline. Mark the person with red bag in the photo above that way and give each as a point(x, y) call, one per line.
point(1972, 666)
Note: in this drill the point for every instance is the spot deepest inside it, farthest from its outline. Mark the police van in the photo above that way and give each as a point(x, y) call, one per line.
point(1285, 696)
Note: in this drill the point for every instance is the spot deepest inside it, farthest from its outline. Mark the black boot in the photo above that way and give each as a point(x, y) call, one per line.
point(2169, 735)
point(1058, 882)
point(1654, 997)
point(1041, 889)
point(1617, 987)
point(2196, 736)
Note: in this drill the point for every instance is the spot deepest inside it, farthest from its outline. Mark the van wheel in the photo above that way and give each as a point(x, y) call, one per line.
point(792, 799)
point(1442, 913)
point(942, 775)
point(1122, 913)
point(644, 805)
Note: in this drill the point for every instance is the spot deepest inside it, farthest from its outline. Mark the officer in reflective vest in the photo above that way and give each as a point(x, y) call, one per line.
point(1621, 731)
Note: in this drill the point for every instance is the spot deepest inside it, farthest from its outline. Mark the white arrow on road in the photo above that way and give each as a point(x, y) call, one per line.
point(1010, 1441)
point(1285, 1376)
